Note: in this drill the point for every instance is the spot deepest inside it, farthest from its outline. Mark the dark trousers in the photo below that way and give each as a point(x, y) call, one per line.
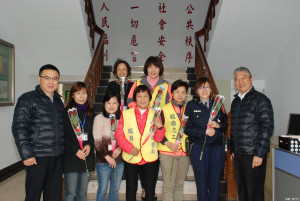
point(149, 170)
point(44, 177)
point(208, 171)
point(142, 177)
point(250, 181)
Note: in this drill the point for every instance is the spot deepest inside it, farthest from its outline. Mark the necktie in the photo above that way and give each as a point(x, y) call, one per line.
point(205, 104)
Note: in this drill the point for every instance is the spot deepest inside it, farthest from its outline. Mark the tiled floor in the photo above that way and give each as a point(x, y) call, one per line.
point(13, 188)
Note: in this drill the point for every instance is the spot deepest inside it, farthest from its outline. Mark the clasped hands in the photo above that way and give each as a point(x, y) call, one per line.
point(210, 131)
point(82, 154)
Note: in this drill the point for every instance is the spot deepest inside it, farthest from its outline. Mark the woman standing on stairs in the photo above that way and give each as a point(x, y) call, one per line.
point(121, 70)
point(207, 170)
point(173, 158)
point(153, 70)
point(110, 165)
point(139, 145)
point(79, 158)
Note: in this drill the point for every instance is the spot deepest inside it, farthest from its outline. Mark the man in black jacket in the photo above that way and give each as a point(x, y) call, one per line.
point(39, 136)
point(252, 126)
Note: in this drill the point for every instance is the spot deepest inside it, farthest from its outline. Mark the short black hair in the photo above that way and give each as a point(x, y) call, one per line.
point(141, 88)
point(108, 95)
point(119, 61)
point(179, 83)
point(48, 67)
point(156, 61)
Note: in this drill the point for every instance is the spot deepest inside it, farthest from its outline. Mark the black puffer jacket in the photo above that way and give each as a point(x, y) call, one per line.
point(252, 124)
point(38, 125)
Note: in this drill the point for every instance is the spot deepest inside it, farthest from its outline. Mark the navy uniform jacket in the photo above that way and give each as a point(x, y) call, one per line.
point(197, 123)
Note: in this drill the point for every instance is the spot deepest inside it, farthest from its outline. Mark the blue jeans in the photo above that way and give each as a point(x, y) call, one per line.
point(106, 174)
point(76, 184)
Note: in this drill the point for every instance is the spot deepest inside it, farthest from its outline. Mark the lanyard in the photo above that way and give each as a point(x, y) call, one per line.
point(82, 124)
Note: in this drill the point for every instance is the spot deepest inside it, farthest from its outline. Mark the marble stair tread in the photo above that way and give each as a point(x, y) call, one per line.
point(189, 176)
point(122, 197)
point(189, 187)
point(189, 184)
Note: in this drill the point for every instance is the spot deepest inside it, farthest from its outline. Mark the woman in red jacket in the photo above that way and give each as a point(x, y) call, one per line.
point(139, 147)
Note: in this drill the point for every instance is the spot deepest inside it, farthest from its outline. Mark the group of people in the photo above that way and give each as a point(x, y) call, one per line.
point(141, 128)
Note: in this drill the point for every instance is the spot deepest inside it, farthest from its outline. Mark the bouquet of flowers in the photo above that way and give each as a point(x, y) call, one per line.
point(122, 91)
point(113, 127)
point(178, 138)
point(74, 119)
point(217, 105)
point(157, 108)
point(181, 129)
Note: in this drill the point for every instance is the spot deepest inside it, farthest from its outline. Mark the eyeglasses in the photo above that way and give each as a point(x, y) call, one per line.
point(202, 88)
point(55, 79)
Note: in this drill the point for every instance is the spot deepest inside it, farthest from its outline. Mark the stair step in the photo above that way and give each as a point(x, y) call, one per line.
point(104, 82)
point(192, 83)
point(191, 76)
point(190, 70)
point(192, 91)
point(99, 98)
point(107, 69)
point(105, 75)
point(189, 184)
point(189, 190)
point(101, 89)
point(122, 197)
point(97, 107)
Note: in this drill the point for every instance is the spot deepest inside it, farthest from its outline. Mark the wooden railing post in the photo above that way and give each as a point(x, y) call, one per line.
point(231, 183)
point(92, 79)
point(202, 70)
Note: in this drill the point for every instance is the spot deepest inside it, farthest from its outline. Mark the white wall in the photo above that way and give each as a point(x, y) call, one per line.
point(283, 82)
point(42, 32)
point(148, 31)
point(251, 33)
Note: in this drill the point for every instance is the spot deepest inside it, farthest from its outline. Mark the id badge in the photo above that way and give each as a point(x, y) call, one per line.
point(84, 136)
point(109, 147)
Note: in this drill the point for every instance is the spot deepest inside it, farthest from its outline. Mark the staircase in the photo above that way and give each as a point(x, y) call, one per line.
point(201, 68)
point(171, 75)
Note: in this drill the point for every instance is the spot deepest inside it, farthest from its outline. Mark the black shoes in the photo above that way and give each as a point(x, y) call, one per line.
point(155, 198)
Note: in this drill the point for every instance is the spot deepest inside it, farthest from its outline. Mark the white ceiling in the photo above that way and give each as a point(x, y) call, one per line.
point(251, 33)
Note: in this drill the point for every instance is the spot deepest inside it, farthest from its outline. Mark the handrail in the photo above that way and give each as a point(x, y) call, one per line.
point(201, 65)
point(92, 78)
point(202, 70)
point(89, 9)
